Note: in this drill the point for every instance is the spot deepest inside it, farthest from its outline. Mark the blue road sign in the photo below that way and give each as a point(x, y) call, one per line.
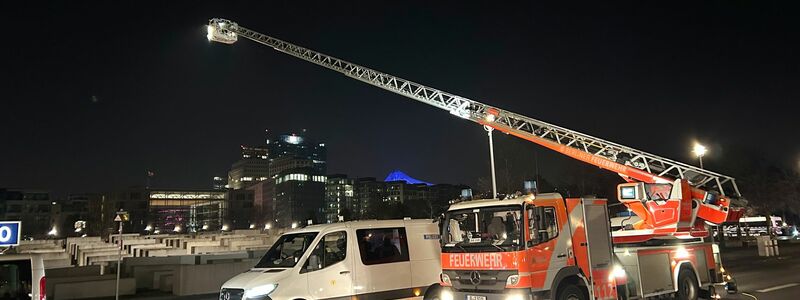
point(10, 233)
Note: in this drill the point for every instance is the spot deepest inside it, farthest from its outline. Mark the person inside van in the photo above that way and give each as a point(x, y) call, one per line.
point(387, 250)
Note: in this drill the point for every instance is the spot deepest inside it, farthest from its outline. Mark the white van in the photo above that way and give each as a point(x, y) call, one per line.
point(388, 259)
point(22, 277)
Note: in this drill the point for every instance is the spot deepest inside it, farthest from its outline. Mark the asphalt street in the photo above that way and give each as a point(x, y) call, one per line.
point(764, 278)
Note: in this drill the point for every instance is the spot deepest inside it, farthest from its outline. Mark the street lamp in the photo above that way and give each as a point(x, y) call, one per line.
point(699, 150)
point(122, 216)
point(268, 226)
point(491, 157)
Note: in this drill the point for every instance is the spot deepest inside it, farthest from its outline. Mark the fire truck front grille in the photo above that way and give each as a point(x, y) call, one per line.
point(479, 280)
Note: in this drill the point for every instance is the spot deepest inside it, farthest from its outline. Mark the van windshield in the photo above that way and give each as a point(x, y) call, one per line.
point(287, 250)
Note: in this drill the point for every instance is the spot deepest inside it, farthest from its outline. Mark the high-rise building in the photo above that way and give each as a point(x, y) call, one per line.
point(397, 196)
point(369, 195)
point(299, 197)
point(252, 167)
point(339, 198)
point(284, 163)
point(263, 202)
point(297, 146)
point(282, 155)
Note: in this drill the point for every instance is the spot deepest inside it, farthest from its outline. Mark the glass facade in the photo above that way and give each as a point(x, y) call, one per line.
point(187, 210)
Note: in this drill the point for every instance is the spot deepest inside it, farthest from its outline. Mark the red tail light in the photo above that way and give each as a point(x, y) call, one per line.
point(43, 288)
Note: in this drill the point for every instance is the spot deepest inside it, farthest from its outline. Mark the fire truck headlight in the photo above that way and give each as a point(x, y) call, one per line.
point(445, 279)
point(447, 294)
point(512, 280)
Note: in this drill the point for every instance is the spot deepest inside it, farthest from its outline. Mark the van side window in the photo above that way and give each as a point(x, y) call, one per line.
point(15, 276)
point(331, 249)
point(382, 245)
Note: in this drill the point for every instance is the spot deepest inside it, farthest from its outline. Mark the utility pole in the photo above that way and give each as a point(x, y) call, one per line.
point(122, 216)
point(491, 157)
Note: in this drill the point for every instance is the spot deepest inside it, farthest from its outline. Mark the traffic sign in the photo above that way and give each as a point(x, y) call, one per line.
point(10, 233)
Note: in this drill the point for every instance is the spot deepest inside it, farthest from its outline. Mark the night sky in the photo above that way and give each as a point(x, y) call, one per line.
point(96, 93)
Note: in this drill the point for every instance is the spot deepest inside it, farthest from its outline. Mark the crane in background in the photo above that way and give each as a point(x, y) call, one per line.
point(672, 199)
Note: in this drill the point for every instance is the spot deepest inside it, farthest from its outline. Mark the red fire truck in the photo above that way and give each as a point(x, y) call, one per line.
point(547, 247)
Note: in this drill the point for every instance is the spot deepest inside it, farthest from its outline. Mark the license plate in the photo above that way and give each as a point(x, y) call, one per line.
point(474, 297)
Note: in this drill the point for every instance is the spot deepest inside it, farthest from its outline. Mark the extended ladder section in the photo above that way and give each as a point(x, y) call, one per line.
point(632, 164)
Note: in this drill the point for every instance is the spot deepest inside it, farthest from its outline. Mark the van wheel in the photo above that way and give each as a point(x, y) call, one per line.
point(433, 293)
point(688, 289)
point(573, 292)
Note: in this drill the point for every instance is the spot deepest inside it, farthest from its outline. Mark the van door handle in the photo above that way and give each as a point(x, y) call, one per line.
point(562, 255)
point(344, 272)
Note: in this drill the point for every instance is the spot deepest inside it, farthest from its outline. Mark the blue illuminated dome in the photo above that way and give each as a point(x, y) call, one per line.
point(398, 175)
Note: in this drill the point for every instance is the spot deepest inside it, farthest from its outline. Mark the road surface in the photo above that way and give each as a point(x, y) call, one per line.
point(764, 278)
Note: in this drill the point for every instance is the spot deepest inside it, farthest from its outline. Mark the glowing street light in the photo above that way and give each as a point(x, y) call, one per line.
point(252, 226)
point(53, 232)
point(224, 228)
point(294, 225)
point(268, 226)
point(699, 150)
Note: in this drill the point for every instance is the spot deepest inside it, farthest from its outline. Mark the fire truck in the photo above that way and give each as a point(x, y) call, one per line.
point(546, 247)
point(543, 246)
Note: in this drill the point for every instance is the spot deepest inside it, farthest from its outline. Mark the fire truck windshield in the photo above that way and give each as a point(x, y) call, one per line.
point(483, 229)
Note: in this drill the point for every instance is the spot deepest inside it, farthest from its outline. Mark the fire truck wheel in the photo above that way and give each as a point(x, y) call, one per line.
point(687, 285)
point(573, 292)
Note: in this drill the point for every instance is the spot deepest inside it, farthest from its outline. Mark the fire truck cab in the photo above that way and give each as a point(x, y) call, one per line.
point(548, 247)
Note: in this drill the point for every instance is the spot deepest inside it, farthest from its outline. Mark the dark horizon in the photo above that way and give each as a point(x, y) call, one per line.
point(103, 92)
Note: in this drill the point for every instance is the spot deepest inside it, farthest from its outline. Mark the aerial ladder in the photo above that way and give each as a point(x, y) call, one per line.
point(672, 199)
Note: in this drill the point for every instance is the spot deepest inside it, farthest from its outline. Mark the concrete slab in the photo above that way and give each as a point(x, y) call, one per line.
point(93, 289)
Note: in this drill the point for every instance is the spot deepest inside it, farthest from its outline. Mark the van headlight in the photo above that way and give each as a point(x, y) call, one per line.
point(259, 291)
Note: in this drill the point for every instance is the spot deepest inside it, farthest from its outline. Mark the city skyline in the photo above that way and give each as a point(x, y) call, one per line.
point(110, 110)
